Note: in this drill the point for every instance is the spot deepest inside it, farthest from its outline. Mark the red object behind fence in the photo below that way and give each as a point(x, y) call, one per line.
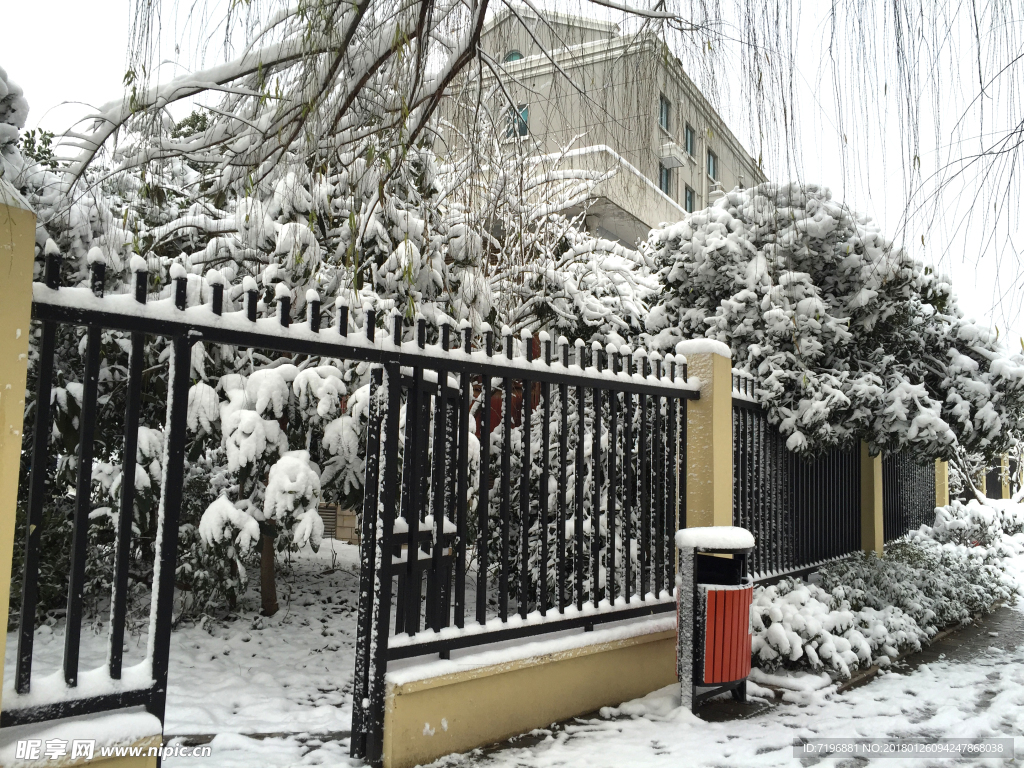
point(727, 633)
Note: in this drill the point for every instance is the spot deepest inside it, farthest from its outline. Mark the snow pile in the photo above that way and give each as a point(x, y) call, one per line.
point(222, 519)
point(847, 337)
point(715, 537)
point(867, 610)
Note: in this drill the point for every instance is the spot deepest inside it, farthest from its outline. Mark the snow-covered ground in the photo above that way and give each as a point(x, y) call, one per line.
point(276, 693)
point(287, 674)
point(982, 695)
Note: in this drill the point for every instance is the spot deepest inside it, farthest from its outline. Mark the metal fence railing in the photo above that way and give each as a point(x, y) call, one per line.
point(565, 520)
point(908, 494)
point(523, 494)
point(803, 512)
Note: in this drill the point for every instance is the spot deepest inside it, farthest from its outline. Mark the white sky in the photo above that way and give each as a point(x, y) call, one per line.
point(86, 62)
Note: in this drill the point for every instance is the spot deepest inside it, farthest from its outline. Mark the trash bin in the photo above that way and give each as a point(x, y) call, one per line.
point(713, 597)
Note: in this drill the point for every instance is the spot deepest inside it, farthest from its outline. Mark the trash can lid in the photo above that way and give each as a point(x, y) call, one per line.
point(715, 537)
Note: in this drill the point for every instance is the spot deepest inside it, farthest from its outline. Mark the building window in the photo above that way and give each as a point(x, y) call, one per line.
point(690, 202)
point(712, 165)
point(664, 112)
point(665, 179)
point(513, 56)
point(518, 121)
point(690, 140)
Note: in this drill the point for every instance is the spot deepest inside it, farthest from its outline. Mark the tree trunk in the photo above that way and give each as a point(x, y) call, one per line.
point(268, 585)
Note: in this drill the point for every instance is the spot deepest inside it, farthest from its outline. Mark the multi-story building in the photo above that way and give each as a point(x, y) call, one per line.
point(619, 102)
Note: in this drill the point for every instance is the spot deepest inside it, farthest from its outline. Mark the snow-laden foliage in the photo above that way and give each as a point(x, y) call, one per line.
point(867, 610)
point(381, 226)
point(846, 335)
point(13, 113)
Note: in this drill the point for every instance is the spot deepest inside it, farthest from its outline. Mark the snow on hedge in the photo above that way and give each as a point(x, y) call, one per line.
point(846, 335)
point(868, 610)
point(13, 112)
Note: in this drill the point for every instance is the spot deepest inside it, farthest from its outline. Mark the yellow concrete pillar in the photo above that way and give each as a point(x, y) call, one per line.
point(1004, 474)
point(17, 252)
point(872, 522)
point(708, 434)
point(941, 483)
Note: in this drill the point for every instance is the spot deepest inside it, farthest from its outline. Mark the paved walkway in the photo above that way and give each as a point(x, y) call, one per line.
point(967, 684)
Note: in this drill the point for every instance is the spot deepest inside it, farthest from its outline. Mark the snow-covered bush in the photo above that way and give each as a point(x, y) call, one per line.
point(13, 112)
point(379, 226)
point(984, 527)
point(797, 626)
point(868, 609)
point(848, 337)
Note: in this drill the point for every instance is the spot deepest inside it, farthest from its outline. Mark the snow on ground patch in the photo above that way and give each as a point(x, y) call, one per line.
point(287, 674)
point(983, 698)
point(237, 751)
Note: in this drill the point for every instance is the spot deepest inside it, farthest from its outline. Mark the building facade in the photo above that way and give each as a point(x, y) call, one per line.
point(601, 100)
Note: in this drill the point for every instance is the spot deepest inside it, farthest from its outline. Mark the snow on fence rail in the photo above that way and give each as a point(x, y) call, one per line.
point(549, 505)
point(802, 512)
point(517, 405)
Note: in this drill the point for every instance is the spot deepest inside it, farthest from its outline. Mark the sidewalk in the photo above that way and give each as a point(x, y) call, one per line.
point(968, 684)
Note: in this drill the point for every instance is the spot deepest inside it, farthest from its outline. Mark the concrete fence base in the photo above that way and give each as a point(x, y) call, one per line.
point(462, 709)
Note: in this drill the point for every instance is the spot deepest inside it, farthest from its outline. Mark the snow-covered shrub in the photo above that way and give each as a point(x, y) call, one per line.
point(13, 112)
point(797, 626)
point(975, 525)
point(868, 609)
point(848, 337)
point(937, 586)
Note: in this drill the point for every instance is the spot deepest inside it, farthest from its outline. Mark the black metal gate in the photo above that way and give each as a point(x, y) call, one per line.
point(620, 423)
point(576, 489)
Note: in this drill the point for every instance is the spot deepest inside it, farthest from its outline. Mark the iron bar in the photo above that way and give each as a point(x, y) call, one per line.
point(83, 506)
point(462, 485)
point(167, 520)
point(483, 507)
point(563, 481)
point(524, 487)
point(545, 470)
point(364, 615)
point(597, 483)
point(506, 485)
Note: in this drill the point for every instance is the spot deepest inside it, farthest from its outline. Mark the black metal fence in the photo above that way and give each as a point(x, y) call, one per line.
point(802, 512)
point(565, 520)
point(54, 307)
point(908, 494)
point(57, 308)
point(604, 436)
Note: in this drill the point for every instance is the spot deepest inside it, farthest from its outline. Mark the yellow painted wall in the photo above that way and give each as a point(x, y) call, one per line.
point(427, 719)
point(17, 251)
point(941, 483)
point(872, 525)
point(126, 762)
